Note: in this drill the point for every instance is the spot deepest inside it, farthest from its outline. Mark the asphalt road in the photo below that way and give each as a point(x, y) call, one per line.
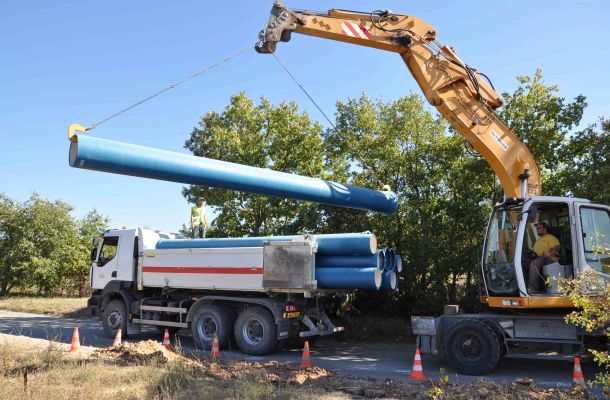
point(379, 360)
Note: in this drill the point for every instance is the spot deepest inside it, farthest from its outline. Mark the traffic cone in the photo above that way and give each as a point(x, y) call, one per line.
point(577, 376)
point(215, 348)
point(117, 339)
point(418, 372)
point(166, 342)
point(75, 341)
point(306, 361)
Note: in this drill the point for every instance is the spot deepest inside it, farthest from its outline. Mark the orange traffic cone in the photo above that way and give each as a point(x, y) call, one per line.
point(577, 376)
point(306, 361)
point(418, 372)
point(215, 348)
point(166, 342)
point(117, 339)
point(75, 341)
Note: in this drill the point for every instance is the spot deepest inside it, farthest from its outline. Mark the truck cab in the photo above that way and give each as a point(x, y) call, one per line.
point(582, 228)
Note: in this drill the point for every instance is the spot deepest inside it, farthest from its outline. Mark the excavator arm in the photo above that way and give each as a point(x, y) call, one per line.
point(457, 91)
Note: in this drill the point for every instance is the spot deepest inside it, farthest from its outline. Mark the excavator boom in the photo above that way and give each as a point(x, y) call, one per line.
point(457, 90)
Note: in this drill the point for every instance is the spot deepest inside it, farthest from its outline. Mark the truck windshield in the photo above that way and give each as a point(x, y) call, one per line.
point(499, 256)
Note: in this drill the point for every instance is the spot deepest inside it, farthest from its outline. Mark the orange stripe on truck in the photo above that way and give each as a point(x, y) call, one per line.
point(205, 270)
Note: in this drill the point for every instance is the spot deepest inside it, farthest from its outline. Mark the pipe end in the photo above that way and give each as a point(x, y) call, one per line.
point(378, 278)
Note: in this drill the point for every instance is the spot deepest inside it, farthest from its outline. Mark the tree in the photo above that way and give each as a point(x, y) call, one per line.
point(265, 136)
point(14, 248)
point(586, 168)
point(542, 120)
point(42, 247)
point(437, 225)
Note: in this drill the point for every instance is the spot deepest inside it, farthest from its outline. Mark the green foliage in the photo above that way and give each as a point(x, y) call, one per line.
point(591, 296)
point(445, 191)
point(441, 188)
point(586, 169)
point(542, 119)
point(266, 136)
point(43, 250)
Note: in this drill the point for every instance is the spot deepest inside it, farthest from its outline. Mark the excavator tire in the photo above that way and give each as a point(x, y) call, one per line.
point(471, 347)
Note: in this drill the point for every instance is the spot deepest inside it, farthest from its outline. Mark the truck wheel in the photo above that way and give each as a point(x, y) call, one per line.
point(209, 320)
point(471, 347)
point(115, 317)
point(255, 331)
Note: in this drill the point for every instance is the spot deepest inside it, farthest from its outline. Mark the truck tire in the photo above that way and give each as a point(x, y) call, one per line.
point(255, 331)
point(471, 347)
point(115, 317)
point(208, 320)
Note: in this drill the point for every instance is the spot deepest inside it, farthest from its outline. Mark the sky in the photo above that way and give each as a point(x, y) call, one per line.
point(64, 62)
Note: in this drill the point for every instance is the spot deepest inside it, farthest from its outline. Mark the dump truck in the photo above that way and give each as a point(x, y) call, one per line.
point(259, 291)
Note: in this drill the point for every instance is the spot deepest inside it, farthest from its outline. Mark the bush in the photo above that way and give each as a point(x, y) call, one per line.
point(44, 250)
point(591, 296)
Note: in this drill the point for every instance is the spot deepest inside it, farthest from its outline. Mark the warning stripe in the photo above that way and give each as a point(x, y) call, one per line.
point(355, 30)
point(205, 270)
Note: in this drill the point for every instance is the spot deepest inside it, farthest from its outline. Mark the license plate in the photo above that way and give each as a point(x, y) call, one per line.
point(295, 314)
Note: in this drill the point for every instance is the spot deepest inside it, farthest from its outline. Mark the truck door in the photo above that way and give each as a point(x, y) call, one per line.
point(593, 223)
point(105, 267)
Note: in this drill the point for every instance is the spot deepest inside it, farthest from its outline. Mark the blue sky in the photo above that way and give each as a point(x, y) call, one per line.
point(78, 61)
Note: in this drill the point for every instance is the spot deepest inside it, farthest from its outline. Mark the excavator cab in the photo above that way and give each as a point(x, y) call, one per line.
point(582, 229)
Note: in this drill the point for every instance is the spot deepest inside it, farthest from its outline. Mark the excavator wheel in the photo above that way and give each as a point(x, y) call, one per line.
point(472, 347)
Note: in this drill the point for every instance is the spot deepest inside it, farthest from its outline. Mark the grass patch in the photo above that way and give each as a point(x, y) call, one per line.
point(29, 370)
point(56, 306)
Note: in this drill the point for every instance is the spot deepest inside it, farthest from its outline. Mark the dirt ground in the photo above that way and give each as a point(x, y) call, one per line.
point(148, 370)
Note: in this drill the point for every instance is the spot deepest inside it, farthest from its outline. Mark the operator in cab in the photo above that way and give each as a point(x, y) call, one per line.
point(199, 221)
point(546, 249)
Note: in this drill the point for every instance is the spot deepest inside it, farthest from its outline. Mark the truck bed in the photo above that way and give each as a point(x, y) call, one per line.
point(237, 268)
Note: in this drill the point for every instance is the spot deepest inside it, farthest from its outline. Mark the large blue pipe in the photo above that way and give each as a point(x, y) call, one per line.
point(348, 278)
point(336, 243)
point(374, 260)
point(390, 259)
point(389, 280)
point(398, 264)
point(98, 154)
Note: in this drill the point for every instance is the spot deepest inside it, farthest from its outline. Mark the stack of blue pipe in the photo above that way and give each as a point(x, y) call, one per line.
point(343, 260)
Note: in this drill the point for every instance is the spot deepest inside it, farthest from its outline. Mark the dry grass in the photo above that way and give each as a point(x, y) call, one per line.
point(146, 370)
point(52, 373)
point(56, 306)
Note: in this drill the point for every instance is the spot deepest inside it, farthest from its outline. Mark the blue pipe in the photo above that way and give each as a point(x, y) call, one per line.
point(104, 155)
point(347, 243)
point(389, 280)
point(348, 278)
point(390, 259)
point(398, 264)
point(336, 243)
point(349, 261)
point(381, 255)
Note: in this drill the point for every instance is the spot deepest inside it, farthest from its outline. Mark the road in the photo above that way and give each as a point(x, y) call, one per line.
point(379, 360)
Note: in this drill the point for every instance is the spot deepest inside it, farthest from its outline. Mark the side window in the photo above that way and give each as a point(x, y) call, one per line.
point(108, 251)
point(595, 224)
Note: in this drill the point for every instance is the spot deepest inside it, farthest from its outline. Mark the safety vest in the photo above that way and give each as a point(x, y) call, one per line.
point(197, 215)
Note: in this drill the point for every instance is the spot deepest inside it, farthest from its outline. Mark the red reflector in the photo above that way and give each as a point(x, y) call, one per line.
point(291, 308)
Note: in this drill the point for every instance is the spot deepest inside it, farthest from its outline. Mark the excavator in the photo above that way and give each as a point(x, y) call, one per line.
point(525, 316)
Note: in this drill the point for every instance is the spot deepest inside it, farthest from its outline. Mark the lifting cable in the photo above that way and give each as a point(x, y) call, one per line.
point(171, 86)
point(304, 91)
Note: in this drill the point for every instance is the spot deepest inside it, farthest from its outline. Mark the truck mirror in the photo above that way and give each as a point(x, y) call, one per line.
point(93, 253)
